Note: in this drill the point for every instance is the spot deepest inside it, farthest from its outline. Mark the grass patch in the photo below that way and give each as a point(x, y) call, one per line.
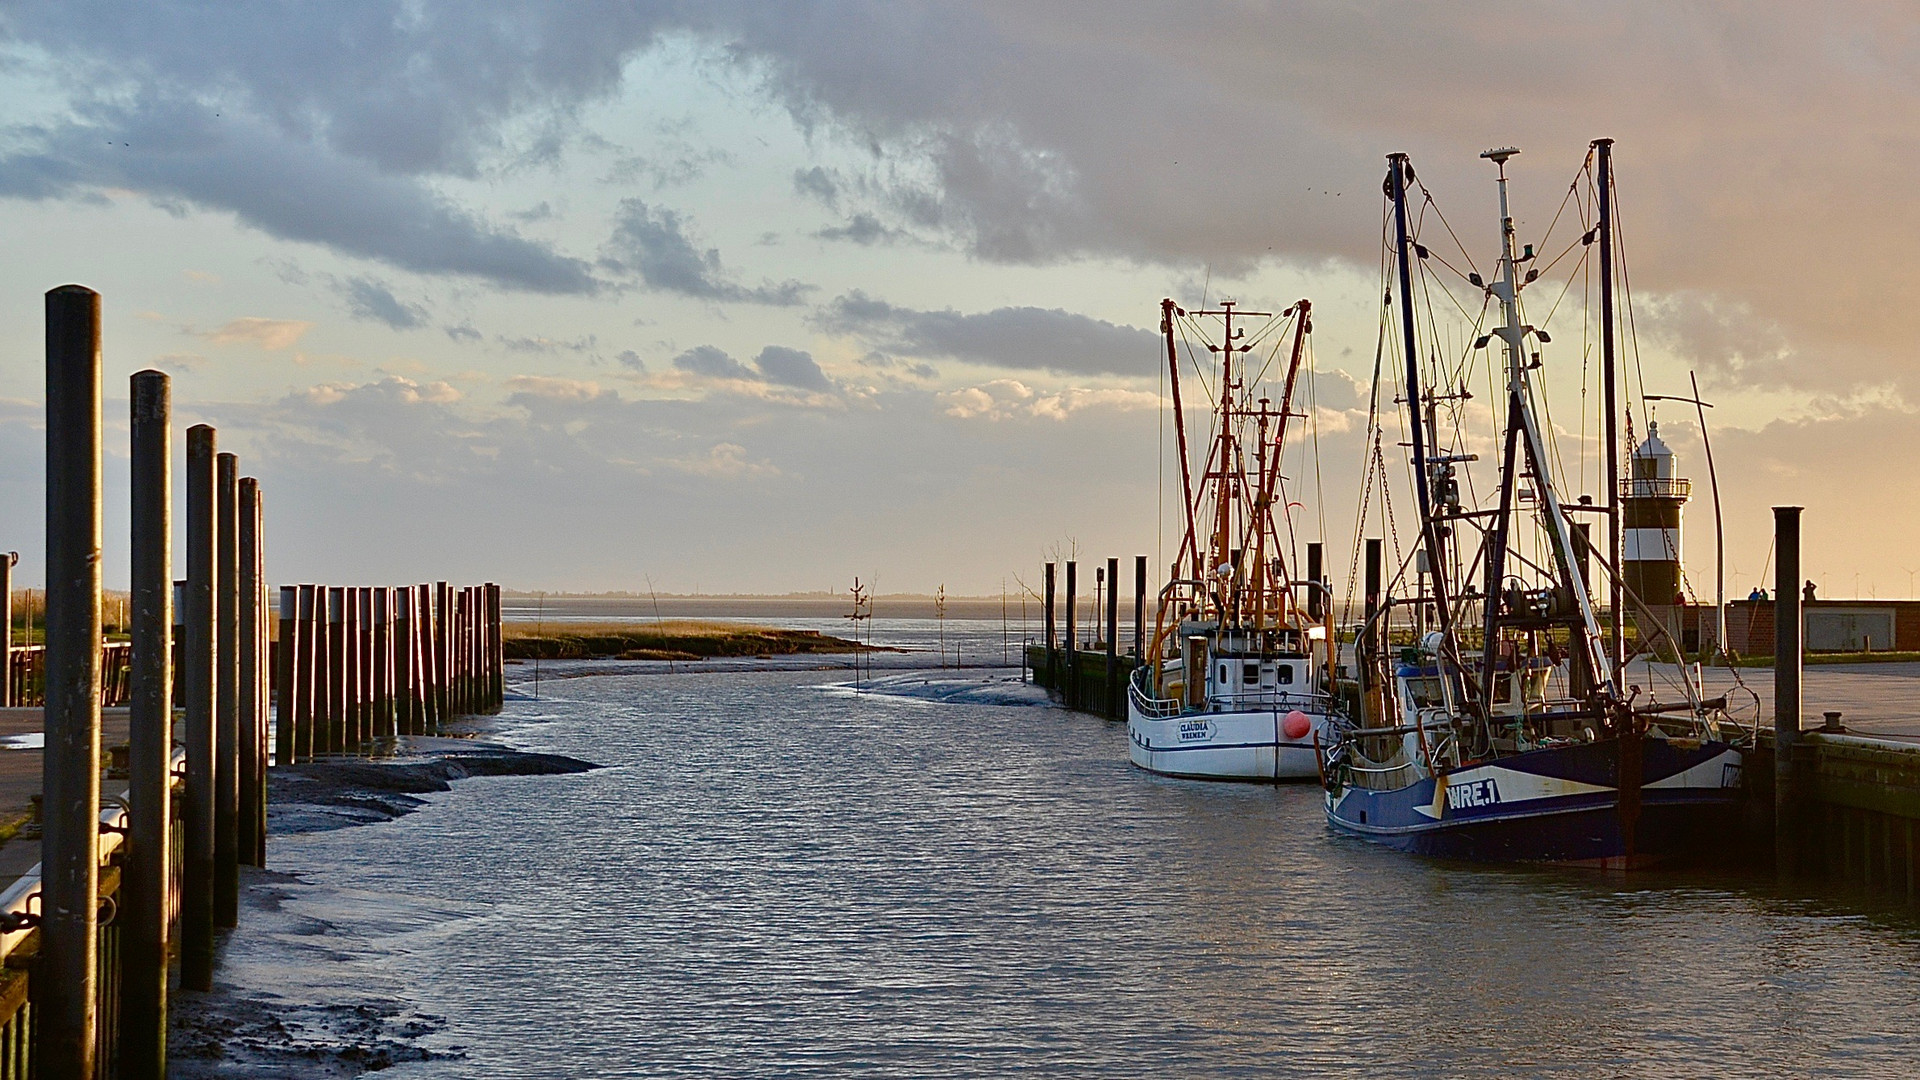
point(672, 639)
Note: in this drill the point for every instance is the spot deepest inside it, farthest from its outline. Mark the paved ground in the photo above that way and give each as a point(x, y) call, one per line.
point(20, 773)
point(1882, 700)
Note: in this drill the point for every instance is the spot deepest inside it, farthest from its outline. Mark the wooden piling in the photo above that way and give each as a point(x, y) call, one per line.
point(303, 675)
point(1072, 692)
point(1789, 649)
point(7, 559)
point(283, 675)
point(144, 898)
point(1053, 669)
point(1316, 597)
point(443, 647)
point(226, 731)
point(65, 986)
point(1140, 608)
point(253, 662)
point(202, 679)
point(341, 738)
point(403, 660)
point(1111, 707)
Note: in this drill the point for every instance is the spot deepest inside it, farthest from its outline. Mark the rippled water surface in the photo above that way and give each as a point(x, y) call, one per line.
point(778, 875)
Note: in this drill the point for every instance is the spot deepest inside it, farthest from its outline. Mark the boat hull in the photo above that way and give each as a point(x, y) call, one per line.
point(1560, 804)
point(1227, 745)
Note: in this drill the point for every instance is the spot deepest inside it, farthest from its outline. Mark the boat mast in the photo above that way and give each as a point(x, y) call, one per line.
point(1397, 172)
point(1506, 288)
point(1616, 589)
point(1167, 310)
point(1270, 465)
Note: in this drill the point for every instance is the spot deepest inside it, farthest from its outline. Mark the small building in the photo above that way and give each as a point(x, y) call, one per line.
point(1832, 625)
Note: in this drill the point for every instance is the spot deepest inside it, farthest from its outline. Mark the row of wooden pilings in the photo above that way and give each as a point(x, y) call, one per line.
point(356, 665)
point(125, 884)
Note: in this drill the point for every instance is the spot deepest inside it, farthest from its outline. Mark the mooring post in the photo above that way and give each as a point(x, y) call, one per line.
point(144, 899)
point(1376, 569)
point(423, 603)
point(362, 599)
point(283, 676)
point(226, 733)
point(1113, 639)
point(1140, 609)
point(403, 658)
point(1053, 669)
point(1073, 629)
point(1789, 648)
point(442, 613)
point(203, 703)
point(252, 660)
point(1315, 599)
point(64, 990)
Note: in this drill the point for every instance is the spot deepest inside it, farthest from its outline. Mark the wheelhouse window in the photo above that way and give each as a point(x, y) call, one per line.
point(1250, 674)
point(1425, 691)
point(1283, 673)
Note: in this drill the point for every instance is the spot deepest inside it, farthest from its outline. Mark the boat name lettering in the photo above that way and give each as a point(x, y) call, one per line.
point(1472, 793)
point(1193, 730)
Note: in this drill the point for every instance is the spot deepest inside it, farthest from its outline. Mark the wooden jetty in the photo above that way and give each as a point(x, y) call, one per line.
point(137, 864)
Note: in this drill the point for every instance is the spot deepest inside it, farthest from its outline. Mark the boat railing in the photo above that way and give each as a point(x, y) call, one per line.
point(1155, 707)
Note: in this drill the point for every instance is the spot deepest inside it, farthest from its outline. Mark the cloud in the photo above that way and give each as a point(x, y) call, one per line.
point(524, 344)
point(463, 332)
point(1027, 338)
point(817, 183)
point(863, 229)
point(372, 300)
point(791, 367)
point(269, 334)
point(630, 359)
point(726, 461)
point(712, 362)
point(287, 187)
point(1005, 399)
point(653, 243)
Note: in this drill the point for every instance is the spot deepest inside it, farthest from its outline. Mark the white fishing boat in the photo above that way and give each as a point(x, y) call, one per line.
point(1235, 684)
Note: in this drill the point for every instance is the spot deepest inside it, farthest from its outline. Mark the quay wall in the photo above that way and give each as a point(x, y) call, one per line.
point(1084, 685)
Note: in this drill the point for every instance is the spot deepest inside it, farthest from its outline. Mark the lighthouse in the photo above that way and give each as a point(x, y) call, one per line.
point(1651, 500)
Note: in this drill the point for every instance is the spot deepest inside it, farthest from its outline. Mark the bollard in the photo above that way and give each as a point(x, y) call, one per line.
point(247, 820)
point(144, 900)
point(196, 904)
point(64, 989)
point(226, 731)
point(1789, 648)
point(283, 703)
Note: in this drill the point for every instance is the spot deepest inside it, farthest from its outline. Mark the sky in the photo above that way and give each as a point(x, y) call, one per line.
point(733, 297)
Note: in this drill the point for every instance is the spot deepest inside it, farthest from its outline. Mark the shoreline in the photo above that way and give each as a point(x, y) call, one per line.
point(302, 986)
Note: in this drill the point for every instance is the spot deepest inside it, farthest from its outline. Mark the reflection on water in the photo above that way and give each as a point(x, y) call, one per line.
point(780, 875)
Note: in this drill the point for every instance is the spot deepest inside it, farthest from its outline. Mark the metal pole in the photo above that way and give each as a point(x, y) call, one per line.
point(64, 991)
point(1719, 531)
point(1616, 599)
point(1789, 646)
point(144, 898)
point(226, 758)
point(247, 822)
point(196, 904)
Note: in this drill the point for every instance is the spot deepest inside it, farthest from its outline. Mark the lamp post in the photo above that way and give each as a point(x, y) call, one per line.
point(1719, 533)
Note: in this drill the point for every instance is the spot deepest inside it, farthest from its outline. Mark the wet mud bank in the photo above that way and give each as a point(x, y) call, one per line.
point(308, 985)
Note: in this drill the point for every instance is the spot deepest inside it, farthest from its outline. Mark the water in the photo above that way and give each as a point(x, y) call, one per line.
point(940, 877)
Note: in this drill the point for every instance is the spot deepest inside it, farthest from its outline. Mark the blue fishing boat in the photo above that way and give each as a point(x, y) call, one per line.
point(1489, 713)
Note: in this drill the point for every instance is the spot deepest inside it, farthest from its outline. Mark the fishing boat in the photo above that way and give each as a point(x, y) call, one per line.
point(1236, 682)
point(1491, 718)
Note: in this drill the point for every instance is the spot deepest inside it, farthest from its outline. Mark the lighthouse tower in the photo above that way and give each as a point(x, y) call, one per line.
point(1650, 504)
